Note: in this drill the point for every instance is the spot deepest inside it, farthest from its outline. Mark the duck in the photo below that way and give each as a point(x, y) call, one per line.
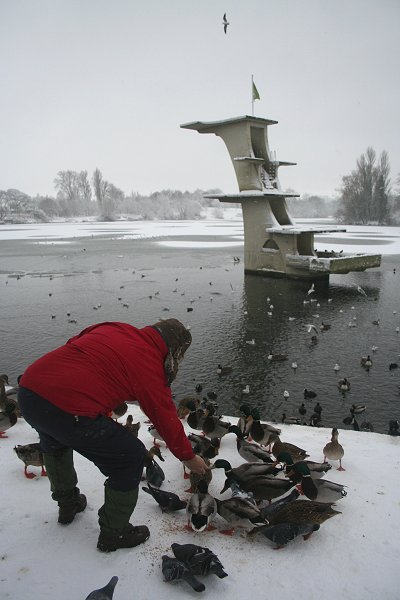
point(132, 427)
point(246, 389)
point(183, 409)
point(290, 420)
point(201, 508)
point(320, 490)
point(168, 501)
point(239, 512)
point(302, 409)
point(366, 362)
point(8, 418)
point(247, 450)
point(223, 370)
point(344, 384)
point(273, 507)
point(309, 394)
point(195, 417)
point(154, 474)
point(265, 487)
point(324, 326)
point(304, 511)
point(394, 428)
point(283, 533)
point(243, 423)
point(260, 432)
point(204, 446)
point(246, 471)
point(213, 424)
point(295, 452)
point(393, 366)
point(333, 450)
point(317, 470)
point(318, 409)
point(336, 367)
point(31, 454)
point(195, 478)
point(277, 357)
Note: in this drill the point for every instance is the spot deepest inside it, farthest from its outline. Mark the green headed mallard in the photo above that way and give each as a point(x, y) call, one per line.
point(260, 432)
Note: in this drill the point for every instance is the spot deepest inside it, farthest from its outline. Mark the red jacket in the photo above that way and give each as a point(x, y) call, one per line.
point(108, 364)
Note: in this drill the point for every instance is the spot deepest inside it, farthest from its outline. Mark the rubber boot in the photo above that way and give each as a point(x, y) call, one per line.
point(63, 479)
point(115, 530)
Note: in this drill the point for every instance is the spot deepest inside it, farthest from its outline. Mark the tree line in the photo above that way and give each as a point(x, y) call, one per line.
point(366, 196)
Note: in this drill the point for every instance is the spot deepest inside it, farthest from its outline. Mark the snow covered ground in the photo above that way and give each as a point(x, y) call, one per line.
point(353, 555)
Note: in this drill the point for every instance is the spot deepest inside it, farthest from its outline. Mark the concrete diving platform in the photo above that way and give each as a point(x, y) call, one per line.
point(273, 244)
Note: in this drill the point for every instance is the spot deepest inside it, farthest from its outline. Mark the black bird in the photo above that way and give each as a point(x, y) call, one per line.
point(302, 409)
point(173, 570)
point(394, 428)
point(104, 593)
point(318, 408)
point(200, 561)
point(393, 366)
point(225, 22)
point(309, 393)
point(168, 501)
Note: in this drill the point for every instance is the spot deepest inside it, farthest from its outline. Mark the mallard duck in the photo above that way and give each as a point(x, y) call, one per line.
point(249, 451)
point(317, 470)
point(168, 501)
point(195, 478)
point(201, 508)
point(200, 561)
point(260, 432)
point(196, 416)
point(394, 428)
point(204, 446)
point(344, 384)
point(265, 487)
point(283, 533)
point(273, 507)
point(8, 418)
point(333, 450)
point(31, 454)
point(320, 490)
point(238, 512)
point(183, 409)
point(246, 471)
point(302, 409)
point(277, 357)
point(295, 452)
point(223, 370)
point(132, 427)
point(324, 326)
point(357, 409)
point(213, 426)
point(303, 511)
point(290, 420)
point(309, 394)
point(242, 423)
point(154, 473)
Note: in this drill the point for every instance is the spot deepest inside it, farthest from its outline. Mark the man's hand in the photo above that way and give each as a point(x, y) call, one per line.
point(197, 465)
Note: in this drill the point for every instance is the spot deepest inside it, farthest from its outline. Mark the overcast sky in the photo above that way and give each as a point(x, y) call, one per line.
point(94, 83)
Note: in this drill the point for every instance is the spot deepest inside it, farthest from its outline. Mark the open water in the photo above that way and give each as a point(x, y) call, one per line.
point(44, 286)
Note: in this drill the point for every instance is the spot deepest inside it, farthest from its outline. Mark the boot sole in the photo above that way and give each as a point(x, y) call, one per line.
point(113, 547)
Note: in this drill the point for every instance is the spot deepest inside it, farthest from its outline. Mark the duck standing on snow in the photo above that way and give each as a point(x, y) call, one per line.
point(283, 533)
point(260, 432)
point(132, 427)
point(213, 426)
point(317, 470)
point(247, 450)
point(239, 512)
point(31, 454)
point(320, 490)
point(201, 508)
point(154, 473)
point(295, 452)
point(333, 450)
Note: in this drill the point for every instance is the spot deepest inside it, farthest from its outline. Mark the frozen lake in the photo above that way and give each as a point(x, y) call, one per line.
point(142, 271)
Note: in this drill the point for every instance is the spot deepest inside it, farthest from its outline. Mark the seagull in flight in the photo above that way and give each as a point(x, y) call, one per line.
point(311, 290)
point(225, 22)
point(361, 291)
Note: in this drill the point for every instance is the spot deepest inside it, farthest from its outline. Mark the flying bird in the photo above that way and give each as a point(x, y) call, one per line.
point(225, 22)
point(311, 290)
point(361, 291)
point(311, 327)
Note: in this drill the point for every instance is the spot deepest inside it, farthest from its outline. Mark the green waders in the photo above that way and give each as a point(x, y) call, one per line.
point(63, 480)
point(115, 529)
